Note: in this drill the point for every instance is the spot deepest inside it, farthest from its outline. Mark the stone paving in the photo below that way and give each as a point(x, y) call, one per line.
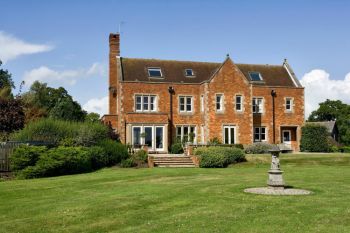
point(278, 192)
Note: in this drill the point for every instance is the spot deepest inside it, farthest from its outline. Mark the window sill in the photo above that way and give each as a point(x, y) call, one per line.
point(186, 113)
point(146, 112)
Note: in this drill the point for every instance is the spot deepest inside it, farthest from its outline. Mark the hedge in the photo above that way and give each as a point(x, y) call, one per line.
point(219, 156)
point(33, 161)
point(314, 138)
point(61, 132)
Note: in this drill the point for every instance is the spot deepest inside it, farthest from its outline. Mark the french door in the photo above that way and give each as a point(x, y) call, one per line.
point(229, 134)
point(152, 136)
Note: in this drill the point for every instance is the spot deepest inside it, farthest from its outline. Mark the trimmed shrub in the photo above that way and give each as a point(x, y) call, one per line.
point(61, 132)
point(24, 156)
point(176, 148)
point(345, 149)
point(98, 156)
point(218, 156)
point(239, 146)
point(259, 148)
point(115, 151)
point(314, 138)
point(129, 162)
point(59, 161)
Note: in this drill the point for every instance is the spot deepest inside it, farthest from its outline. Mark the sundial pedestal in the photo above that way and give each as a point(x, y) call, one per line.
point(275, 180)
point(275, 183)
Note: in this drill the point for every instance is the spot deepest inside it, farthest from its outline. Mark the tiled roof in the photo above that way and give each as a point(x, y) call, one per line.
point(135, 69)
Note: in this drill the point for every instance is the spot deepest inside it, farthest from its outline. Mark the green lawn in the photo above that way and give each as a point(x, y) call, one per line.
point(183, 200)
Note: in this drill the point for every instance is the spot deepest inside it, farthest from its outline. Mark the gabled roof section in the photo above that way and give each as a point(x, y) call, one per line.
point(272, 75)
point(136, 70)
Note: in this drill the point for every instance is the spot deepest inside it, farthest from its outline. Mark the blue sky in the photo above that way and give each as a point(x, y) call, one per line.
point(65, 43)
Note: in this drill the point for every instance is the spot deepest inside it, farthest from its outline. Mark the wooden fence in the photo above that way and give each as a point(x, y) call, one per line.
point(6, 149)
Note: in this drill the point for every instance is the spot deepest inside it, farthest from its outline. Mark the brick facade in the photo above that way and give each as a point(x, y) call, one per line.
point(228, 80)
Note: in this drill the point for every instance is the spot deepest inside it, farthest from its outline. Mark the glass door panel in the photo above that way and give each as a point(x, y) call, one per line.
point(149, 136)
point(159, 138)
point(136, 136)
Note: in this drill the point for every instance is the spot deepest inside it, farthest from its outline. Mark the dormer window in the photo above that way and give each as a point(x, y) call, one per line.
point(255, 76)
point(155, 72)
point(189, 73)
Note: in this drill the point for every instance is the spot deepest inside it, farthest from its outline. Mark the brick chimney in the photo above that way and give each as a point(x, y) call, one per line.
point(114, 52)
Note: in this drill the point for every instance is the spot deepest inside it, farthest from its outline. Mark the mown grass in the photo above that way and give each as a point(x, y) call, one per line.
point(183, 200)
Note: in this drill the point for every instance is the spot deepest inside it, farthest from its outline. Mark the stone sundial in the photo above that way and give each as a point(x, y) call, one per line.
point(275, 182)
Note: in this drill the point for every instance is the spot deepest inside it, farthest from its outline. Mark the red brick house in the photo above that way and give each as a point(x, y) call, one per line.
point(154, 101)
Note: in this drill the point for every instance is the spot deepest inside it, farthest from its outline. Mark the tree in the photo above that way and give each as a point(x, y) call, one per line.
point(67, 109)
point(11, 116)
point(6, 84)
point(332, 110)
point(5, 78)
point(51, 102)
point(92, 117)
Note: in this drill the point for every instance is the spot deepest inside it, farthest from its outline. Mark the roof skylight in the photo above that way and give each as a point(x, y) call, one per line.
point(255, 76)
point(189, 73)
point(155, 72)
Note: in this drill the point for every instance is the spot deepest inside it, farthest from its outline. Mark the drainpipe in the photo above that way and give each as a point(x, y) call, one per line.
point(171, 92)
point(273, 94)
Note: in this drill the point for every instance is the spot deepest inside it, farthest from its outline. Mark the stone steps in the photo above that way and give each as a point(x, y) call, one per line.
point(172, 161)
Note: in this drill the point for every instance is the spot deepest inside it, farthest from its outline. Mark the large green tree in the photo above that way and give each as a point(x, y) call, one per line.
point(44, 101)
point(331, 110)
point(6, 84)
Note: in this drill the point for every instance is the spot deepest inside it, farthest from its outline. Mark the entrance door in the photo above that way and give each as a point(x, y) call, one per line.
point(287, 137)
point(159, 138)
point(229, 135)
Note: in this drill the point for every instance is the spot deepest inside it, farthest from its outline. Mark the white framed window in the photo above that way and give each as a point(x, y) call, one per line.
point(239, 103)
point(155, 72)
point(185, 104)
point(229, 134)
point(186, 133)
point(202, 103)
point(219, 102)
point(257, 104)
point(145, 103)
point(289, 104)
point(259, 134)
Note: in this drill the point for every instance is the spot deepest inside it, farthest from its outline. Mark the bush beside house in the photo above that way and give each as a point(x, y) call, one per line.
point(314, 138)
point(77, 147)
point(38, 161)
point(218, 156)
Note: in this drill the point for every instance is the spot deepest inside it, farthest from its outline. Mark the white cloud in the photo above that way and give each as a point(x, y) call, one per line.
point(99, 106)
point(319, 87)
point(12, 47)
point(68, 77)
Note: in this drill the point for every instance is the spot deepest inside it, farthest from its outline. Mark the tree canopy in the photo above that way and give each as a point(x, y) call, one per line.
point(51, 102)
point(334, 110)
point(6, 84)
